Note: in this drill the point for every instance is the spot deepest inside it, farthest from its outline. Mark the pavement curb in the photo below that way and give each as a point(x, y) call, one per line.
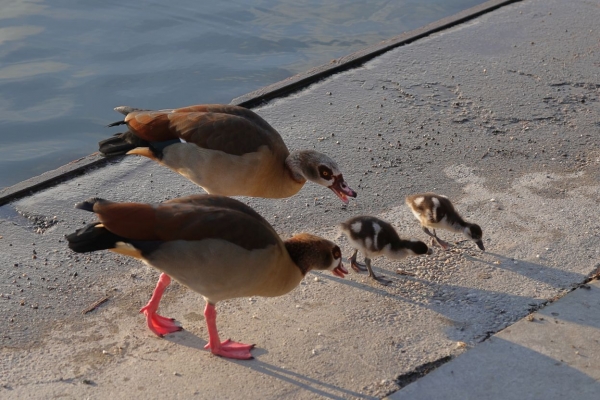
point(359, 57)
point(53, 177)
point(260, 96)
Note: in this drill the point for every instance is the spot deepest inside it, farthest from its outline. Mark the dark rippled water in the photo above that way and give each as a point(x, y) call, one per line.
point(65, 64)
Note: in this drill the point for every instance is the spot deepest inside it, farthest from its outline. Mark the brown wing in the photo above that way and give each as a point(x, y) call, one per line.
point(228, 109)
point(212, 200)
point(233, 130)
point(186, 221)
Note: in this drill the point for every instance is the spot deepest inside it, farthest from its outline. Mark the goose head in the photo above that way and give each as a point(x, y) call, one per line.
point(313, 252)
point(320, 169)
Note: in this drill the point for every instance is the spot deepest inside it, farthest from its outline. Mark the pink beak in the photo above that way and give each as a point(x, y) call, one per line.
point(341, 188)
point(340, 270)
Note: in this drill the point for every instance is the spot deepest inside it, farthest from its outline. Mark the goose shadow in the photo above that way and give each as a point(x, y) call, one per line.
point(315, 386)
point(189, 339)
point(471, 313)
point(304, 382)
point(555, 277)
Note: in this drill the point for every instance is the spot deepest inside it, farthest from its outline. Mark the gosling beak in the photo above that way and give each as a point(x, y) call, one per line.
point(341, 188)
point(479, 244)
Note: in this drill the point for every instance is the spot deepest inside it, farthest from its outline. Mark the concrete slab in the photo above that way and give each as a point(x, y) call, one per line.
point(500, 114)
point(552, 354)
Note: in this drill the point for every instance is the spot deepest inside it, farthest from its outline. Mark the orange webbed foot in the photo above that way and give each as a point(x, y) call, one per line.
point(231, 349)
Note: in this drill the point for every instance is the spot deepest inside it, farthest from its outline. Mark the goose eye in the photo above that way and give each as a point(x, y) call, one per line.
point(337, 253)
point(325, 172)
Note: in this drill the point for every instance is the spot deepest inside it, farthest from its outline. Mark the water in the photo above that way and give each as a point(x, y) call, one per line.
point(65, 64)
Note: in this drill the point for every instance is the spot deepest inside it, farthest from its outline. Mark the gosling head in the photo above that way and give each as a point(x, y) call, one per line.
point(473, 232)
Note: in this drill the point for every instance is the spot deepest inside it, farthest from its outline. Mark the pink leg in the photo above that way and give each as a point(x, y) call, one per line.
point(157, 323)
point(228, 348)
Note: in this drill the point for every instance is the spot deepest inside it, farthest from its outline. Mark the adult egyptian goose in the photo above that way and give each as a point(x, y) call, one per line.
point(214, 245)
point(437, 212)
point(375, 237)
point(227, 150)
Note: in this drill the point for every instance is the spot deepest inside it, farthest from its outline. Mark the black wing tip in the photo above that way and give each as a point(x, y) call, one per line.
point(120, 143)
point(116, 124)
point(91, 238)
point(156, 150)
point(88, 205)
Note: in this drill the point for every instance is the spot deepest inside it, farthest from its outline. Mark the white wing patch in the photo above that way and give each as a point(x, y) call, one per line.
point(377, 229)
point(356, 227)
point(436, 205)
point(182, 141)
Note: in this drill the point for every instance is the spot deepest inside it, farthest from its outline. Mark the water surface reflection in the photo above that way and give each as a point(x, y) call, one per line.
point(65, 64)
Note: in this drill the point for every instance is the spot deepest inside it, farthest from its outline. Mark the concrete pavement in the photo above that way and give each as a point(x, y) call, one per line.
point(552, 354)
